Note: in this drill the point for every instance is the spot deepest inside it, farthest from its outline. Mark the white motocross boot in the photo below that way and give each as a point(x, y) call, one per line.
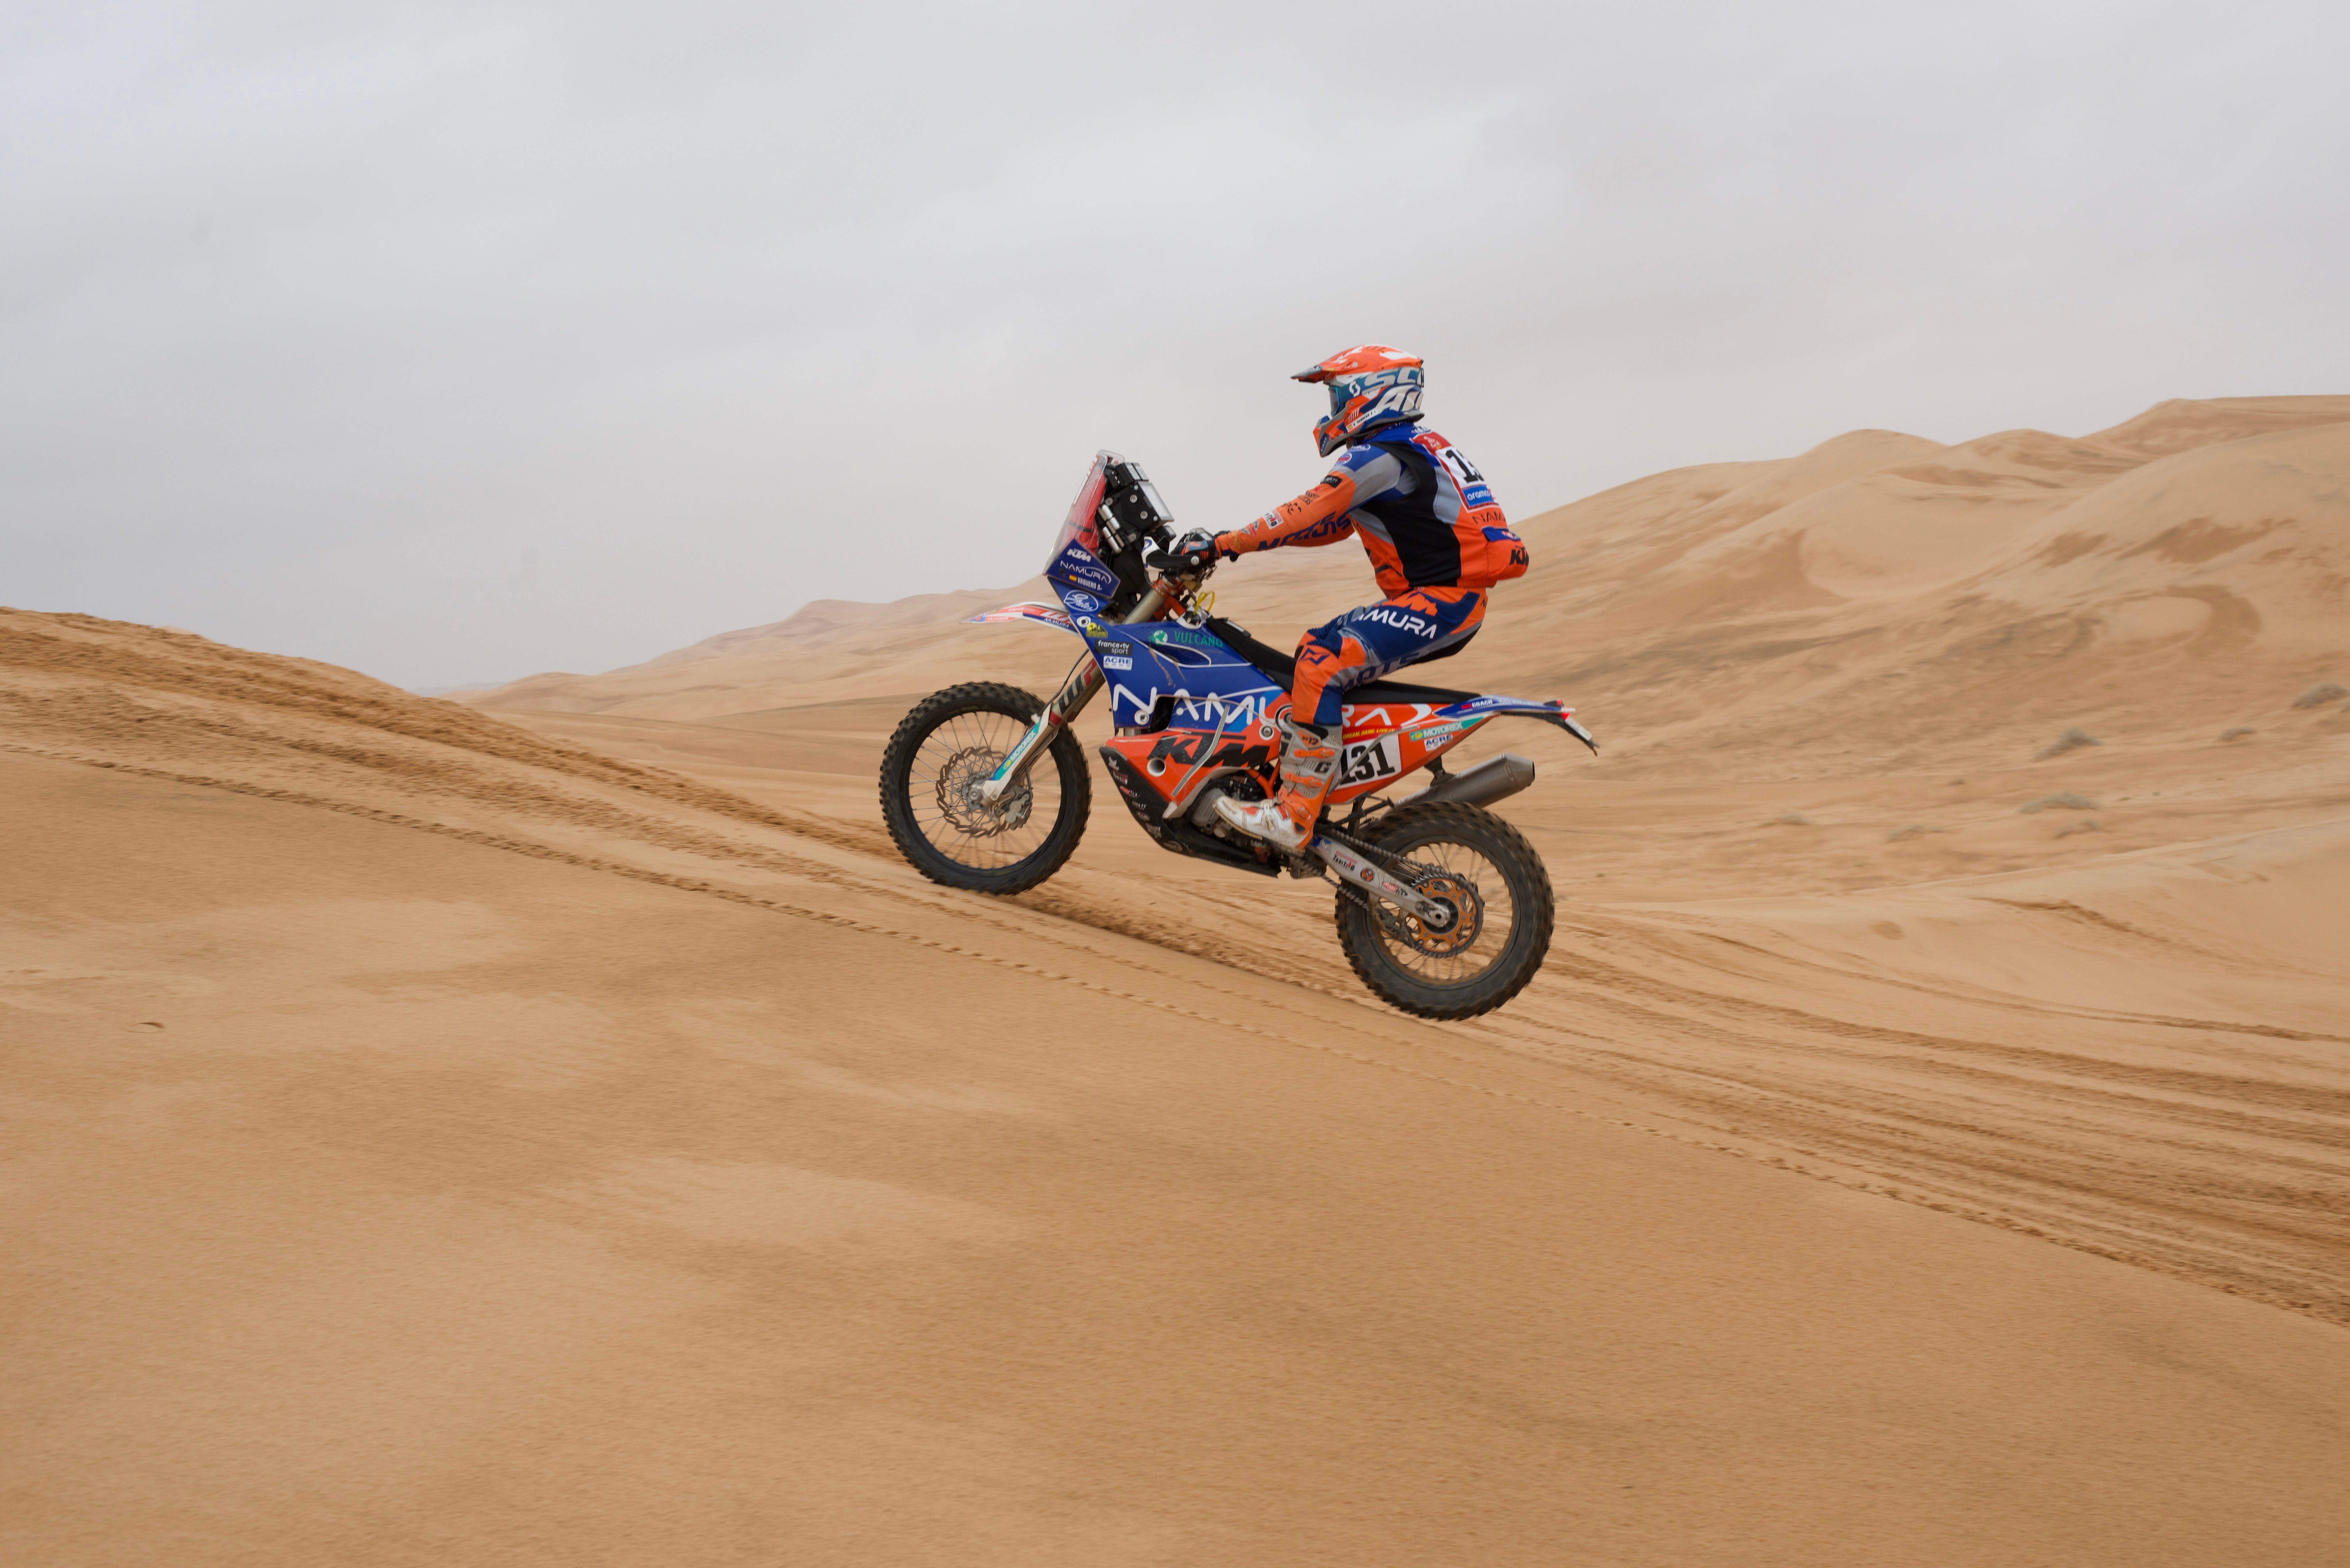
point(1309, 765)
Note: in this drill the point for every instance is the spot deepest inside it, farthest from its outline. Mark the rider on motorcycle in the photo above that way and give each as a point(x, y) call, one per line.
point(1438, 543)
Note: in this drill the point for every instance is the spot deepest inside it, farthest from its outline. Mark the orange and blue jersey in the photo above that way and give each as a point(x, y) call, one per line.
point(1424, 514)
point(1438, 543)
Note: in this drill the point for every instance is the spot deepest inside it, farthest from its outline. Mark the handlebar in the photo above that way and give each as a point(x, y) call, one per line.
point(1159, 559)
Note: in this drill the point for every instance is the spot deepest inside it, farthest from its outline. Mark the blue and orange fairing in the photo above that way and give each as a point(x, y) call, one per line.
point(1383, 742)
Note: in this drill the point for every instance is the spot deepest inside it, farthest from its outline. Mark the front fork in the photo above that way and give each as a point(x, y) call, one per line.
point(1067, 704)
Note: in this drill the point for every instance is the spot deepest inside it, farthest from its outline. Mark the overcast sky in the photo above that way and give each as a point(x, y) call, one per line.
point(454, 342)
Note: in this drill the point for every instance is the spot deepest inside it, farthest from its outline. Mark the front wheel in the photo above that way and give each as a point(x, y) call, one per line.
point(931, 774)
point(1484, 868)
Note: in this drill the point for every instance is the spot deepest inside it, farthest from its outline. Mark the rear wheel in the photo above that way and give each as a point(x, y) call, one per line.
point(1484, 869)
point(931, 774)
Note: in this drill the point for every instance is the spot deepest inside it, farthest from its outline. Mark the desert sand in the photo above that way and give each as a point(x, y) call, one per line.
point(556, 1129)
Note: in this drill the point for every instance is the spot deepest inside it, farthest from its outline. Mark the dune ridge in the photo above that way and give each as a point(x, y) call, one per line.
point(2196, 1105)
point(1887, 636)
point(556, 1117)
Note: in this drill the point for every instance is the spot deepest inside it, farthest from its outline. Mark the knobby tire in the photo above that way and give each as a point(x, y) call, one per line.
point(897, 807)
point(1533, 910)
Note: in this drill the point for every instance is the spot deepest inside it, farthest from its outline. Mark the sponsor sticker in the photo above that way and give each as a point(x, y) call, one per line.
point(1418, 626)
point(1192, 746)
point(1224, 712)
point(1111, 661)
point(1089, 626)
point(1084, 604)
point(1078, 567)
point(1120, 649)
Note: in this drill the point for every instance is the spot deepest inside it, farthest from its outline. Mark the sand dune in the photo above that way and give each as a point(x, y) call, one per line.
point(1848, 675)
point(566, 1134)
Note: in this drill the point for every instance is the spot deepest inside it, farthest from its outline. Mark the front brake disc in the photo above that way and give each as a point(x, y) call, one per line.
point(969, 812)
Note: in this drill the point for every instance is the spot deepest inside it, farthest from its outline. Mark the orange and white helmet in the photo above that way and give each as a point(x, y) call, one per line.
point(1371, 386)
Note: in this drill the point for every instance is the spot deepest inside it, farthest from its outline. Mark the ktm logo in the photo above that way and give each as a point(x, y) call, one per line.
point(1190, 746)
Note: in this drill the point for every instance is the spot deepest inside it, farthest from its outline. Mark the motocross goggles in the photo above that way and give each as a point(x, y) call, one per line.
point(1363, 403)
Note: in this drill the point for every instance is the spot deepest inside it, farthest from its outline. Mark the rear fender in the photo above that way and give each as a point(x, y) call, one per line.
point(1387, 740)
point(1550, 713)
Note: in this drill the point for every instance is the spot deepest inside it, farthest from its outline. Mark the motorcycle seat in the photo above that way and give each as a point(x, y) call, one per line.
point(1283, 668)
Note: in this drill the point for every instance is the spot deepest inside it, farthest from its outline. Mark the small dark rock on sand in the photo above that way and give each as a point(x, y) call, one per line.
point(2066, 801)
point(2071, 740)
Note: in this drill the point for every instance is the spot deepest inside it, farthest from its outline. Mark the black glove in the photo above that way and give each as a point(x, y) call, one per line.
point(1194, 554)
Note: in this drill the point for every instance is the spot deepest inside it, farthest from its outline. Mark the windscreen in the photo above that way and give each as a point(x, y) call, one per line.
point(1084, 526)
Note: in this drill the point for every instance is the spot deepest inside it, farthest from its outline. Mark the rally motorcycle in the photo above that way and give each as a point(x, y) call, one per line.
point(1443, 908)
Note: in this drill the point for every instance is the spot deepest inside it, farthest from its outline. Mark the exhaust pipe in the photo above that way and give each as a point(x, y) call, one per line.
point(1495, 778)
